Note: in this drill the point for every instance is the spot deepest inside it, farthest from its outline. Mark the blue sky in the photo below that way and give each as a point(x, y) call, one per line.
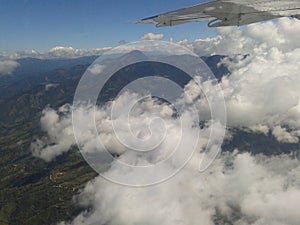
point(42, 24)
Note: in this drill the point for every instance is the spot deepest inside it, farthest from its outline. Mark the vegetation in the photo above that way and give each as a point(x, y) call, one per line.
point(32, 191)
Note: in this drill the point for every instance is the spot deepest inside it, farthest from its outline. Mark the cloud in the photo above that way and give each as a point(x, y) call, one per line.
point(59, 137)
point(282, 135)
point(252, 39)
point(261, 94)
point(60, 51)
point(262, 90)
point(69, 52)
point(152, 37)
point(239, 188)
point(96, 69)
point(145, 130)
point(50, 86)
point(56, 52)
point(7, 67)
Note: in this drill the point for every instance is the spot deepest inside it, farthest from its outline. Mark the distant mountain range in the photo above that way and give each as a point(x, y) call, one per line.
point(33, 72)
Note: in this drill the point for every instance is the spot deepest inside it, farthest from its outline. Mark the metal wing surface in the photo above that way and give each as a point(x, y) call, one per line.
point(228, 13)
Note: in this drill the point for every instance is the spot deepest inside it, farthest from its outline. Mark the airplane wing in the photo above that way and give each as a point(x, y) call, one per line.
point(191, 14)
point(227, 13)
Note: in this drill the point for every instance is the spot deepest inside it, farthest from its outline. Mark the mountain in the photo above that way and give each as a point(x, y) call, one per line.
point(32, 72)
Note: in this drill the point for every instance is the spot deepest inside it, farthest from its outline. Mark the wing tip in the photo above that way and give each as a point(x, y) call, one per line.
point(148, 20)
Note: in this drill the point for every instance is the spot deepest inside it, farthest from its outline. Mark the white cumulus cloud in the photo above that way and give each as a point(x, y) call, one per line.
point(239, 188)
point(261, 94)
point(152, 37)
point(60, 136)
point(251, 39)
point(262, 90)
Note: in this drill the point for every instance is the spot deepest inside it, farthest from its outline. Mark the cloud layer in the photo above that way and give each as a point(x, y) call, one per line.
point(254, 39)
point(70, 52)
point(264, 82)
point(262, 95)
point(239, 188)
point(55, 52)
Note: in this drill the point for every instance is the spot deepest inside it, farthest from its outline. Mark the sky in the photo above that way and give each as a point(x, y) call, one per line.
point(42, 25)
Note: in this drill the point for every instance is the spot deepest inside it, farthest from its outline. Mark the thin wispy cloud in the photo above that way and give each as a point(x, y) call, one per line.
point(7, 67)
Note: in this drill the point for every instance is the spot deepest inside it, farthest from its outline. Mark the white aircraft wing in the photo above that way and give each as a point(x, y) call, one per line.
point(228, 13)
point(181, 16)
